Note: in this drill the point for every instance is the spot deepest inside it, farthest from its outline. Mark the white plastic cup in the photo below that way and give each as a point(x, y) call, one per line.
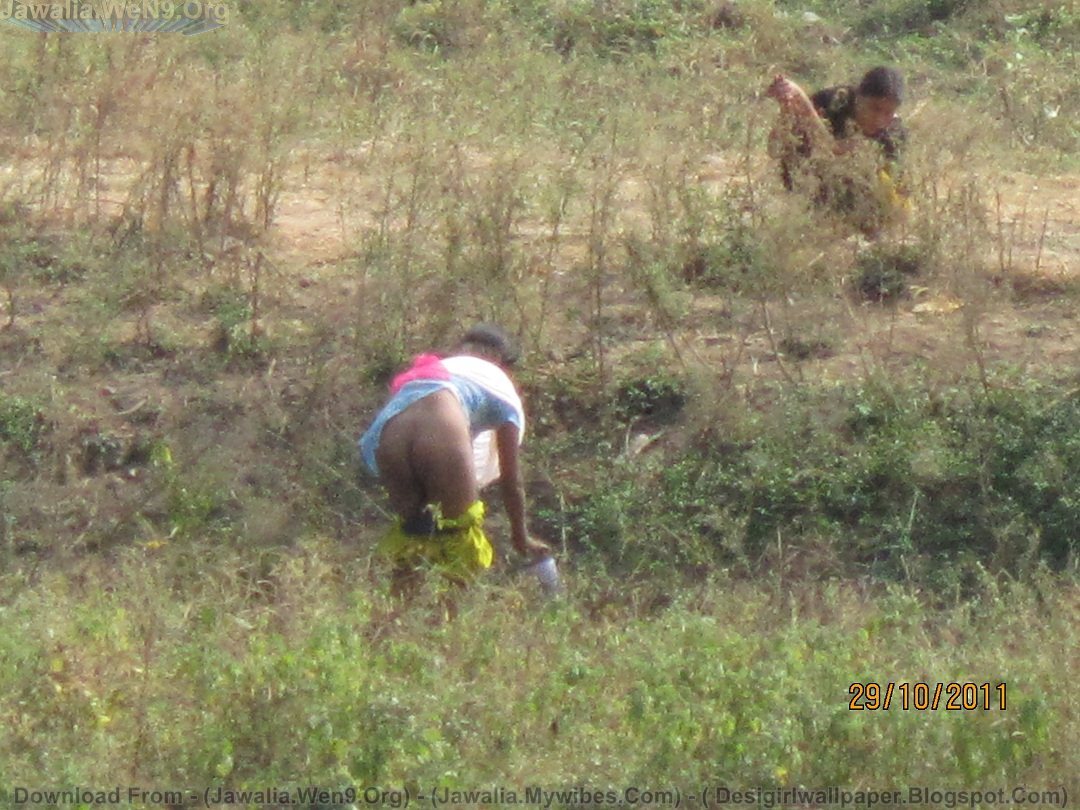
point(547, 573)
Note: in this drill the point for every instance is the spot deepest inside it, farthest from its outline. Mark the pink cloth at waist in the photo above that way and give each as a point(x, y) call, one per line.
point(424, 367)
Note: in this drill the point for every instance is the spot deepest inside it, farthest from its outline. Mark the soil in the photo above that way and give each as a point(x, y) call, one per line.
point(1024, 315)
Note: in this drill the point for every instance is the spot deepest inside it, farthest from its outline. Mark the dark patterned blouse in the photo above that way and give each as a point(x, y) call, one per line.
point(837, 106)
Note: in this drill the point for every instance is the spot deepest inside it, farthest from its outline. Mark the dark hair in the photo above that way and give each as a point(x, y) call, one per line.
point(493, 339)
point(882, 82)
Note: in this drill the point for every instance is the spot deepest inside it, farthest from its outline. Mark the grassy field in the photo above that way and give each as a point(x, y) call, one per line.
point(778, 459)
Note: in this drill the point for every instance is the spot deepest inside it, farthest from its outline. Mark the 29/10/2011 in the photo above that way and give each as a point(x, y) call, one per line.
point(922, 696)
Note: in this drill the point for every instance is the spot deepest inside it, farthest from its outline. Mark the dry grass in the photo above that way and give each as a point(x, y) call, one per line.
point(216, 250)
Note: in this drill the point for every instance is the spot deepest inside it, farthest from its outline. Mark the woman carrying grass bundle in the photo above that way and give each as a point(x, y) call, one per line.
point(424, 444)
point(815, 132)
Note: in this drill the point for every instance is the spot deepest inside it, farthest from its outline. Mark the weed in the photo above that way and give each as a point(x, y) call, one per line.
point(160, 675)
point(613, 29)
point(885, 272)
point(334, 186)
point(657, 399)
point(904, 477)
point(22, 423)
point(903, 16)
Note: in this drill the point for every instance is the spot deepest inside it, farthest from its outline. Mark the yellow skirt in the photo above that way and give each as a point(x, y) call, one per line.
point(458, 547)
point(890, 193)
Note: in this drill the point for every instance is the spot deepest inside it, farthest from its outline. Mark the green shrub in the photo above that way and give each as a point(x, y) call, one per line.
point(207, 669)
point(726, 251)
point(658, 399)
point(885, 271)
point(613, 28)
point(439, 26)
point(22, 423)
point(903, 16)
point(909, 480)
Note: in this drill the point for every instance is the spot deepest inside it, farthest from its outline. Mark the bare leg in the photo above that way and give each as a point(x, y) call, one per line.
point(425, 457)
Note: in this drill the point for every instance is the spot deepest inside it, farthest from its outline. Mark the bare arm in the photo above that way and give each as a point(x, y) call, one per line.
point(513, 492)
point(790, 96)
point(797, 110)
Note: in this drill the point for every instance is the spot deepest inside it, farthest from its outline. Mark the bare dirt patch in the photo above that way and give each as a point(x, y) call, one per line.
point(1025, 316)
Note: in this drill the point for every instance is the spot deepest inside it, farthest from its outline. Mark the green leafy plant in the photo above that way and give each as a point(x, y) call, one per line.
point(22, 423)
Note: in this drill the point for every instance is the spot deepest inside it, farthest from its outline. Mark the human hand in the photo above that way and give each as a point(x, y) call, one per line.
point(783, 90)
point(534, 549)
point(796, 107)
point(790, 96)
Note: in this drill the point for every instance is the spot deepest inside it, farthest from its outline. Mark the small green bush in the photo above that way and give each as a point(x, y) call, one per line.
point(884, 272)
point(903, 16)
point(658, 399)
point(22, 423)
point(906, 478)
point(613, 28)
point(439, 26)
point(204, 667)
